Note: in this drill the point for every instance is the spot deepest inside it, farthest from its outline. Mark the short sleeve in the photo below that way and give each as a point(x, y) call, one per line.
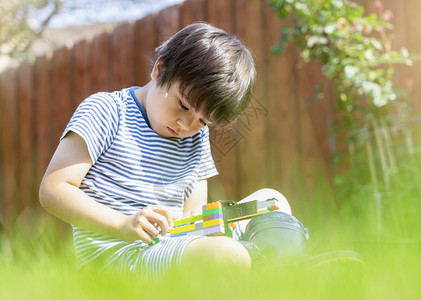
point(96, 121)
point(207, 165)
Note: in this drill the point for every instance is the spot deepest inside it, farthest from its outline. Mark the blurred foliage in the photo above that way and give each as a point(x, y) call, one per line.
point(24, 21)
point(360, 65)
point(18, 29)
point(355, 52)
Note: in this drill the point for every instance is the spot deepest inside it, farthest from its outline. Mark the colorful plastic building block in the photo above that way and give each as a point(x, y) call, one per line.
point(154, 241)
point(216, 217)
point(211, 222)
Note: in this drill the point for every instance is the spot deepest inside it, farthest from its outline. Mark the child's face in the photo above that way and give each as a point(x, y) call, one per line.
point(170, 114)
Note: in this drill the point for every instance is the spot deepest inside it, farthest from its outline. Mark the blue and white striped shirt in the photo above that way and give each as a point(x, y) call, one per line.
point(134, 167)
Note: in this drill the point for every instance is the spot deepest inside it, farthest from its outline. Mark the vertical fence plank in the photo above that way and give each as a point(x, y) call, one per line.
point(9, 143)
point(99, 52)
point(252, 121)
point(122, 57)
point(400, 36)
point(61, 92)
point(144, 48)
point(43, 111)
point(2, 165)
point(313, 134)
point(81, 66)
point(220, 14)
point(413, 7)
point(26, 137)
point(224, 141)
point(282, 122)
point(403, 78)
point(316, 112)
point(168, 22)
point(192, 11)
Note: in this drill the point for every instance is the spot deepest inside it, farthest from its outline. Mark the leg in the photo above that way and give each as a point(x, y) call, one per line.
point(277, 234)
point(218, 250)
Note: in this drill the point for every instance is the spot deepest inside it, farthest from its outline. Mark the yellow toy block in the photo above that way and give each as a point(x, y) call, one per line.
point(213, 205)
point(180, 229)
point(213, 223)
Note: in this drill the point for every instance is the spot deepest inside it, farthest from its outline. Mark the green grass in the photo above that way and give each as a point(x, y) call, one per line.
point(37, 262)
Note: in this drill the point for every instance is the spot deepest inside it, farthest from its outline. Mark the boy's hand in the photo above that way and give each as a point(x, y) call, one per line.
point(145, 224)
point(193, 213)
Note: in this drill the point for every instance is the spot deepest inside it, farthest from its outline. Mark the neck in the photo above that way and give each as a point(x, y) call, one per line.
point(141, 95)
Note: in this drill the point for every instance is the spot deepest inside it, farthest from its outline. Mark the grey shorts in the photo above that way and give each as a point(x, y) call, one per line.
point(155, 260)
point(112, 254)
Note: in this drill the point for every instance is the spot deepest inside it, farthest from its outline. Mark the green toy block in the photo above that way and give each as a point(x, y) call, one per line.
point(217, 215)
point(212, 211)
point(154, 241)
point(188, 220)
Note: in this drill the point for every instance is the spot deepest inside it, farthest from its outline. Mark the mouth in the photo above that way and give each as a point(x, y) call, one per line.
point(172, 131)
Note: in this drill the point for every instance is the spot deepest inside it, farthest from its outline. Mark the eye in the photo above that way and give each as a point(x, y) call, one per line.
point(182, 106)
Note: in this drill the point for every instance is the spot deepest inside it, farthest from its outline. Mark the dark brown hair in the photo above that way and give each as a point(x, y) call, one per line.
point(215, 71)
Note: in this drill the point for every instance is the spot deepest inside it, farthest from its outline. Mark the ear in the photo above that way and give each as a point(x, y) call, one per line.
point(157, 68)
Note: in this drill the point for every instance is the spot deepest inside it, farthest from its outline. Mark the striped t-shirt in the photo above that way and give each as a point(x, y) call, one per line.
point(133, 167)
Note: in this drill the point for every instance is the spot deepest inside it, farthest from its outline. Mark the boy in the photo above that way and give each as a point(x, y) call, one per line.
point(131, 161)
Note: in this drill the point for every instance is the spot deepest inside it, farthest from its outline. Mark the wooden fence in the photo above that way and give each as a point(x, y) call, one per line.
point(273, 144)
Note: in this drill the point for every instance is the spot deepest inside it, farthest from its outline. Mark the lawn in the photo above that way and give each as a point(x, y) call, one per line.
point(37, 259)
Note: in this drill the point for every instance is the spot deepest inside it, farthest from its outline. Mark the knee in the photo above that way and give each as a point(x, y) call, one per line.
point(278, 235)
point(216, 251)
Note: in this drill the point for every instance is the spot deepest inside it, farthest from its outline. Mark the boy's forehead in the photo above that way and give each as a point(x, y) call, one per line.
point(176, 87)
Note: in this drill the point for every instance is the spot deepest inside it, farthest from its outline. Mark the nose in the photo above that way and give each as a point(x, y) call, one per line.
point(185, 123)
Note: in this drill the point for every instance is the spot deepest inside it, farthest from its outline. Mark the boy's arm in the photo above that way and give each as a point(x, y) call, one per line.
point(60, 194)
point(198, 198)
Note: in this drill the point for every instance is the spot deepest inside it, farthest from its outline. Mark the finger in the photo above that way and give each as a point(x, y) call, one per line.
point(165, 212)
point(195, 213)
point(148, 227)
point(177, 217)
point(160, 220)
point(156, 209)
point(143, 236)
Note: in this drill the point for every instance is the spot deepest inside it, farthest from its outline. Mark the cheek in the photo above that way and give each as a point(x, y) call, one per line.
point(191, 132)
point(168, 112)
point(159, 106)
point(170, 108)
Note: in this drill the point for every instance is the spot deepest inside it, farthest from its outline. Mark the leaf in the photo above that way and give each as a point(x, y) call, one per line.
point(377, 44)
point(278, 50)
point(404, 52)
point(285, 30)
point(330, 28)
point(369, 55)
point(409, 62)
point(350, 71)
point(283, 12)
